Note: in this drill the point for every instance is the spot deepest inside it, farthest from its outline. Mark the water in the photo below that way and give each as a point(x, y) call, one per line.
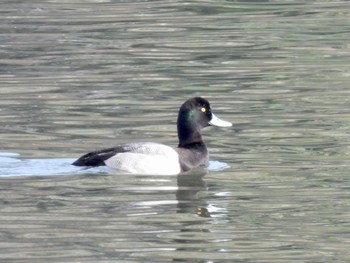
point(79, 76)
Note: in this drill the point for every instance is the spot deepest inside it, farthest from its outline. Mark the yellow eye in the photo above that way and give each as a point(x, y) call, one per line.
point(203, 109)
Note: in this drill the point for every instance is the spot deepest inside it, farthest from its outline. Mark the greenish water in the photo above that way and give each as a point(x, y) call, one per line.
point(77, 76)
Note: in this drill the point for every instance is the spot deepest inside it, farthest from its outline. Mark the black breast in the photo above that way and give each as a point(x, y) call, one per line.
point(193, 155)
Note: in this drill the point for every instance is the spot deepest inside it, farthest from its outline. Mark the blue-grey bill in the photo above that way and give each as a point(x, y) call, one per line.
point(215, 121)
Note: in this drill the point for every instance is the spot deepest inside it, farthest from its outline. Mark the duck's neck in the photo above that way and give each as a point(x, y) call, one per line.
point(188, 134)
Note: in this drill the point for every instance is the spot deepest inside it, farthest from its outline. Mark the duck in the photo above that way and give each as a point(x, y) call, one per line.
point(160, 159)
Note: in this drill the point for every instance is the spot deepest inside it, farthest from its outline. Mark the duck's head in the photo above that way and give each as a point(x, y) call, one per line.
point(194, 115)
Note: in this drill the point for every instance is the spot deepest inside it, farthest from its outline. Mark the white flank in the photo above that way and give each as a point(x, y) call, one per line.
point(147, 158)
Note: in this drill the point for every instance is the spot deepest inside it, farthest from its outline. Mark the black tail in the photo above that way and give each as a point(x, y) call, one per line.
point(96, 158)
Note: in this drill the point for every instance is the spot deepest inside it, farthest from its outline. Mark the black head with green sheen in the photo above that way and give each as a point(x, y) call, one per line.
point(194, 115)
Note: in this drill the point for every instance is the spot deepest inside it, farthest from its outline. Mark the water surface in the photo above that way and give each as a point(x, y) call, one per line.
point(76, 76)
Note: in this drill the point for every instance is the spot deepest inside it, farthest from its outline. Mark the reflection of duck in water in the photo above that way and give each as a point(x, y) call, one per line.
point(191, 194)
point(155, 158)
point(189, 185)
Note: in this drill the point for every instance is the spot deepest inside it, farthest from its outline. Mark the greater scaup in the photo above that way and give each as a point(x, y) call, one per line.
point(155, 158)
